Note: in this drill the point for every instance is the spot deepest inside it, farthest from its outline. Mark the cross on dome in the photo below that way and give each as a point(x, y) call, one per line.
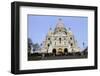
point(60, 23)
point(60, 19)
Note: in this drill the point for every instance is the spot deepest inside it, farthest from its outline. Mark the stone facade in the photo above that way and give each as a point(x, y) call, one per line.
point(60, 40)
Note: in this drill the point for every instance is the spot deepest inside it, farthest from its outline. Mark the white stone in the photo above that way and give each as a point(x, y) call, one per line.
point(61, 39)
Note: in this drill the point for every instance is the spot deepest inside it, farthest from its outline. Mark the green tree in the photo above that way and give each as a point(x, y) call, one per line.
point(36, 46)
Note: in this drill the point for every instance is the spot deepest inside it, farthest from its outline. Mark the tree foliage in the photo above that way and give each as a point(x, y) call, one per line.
point(31, 45)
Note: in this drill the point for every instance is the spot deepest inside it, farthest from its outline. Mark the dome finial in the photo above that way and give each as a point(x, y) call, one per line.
point(60, 23)
point(60, 19)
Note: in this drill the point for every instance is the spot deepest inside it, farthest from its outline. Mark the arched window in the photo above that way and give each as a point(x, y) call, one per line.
point(70, 38)
point(71, 44)
point(60, 40)
point(48, 38)
point(60, 30)
point(48, 45)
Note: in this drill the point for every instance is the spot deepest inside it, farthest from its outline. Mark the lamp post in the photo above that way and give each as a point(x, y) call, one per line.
point(83, 44)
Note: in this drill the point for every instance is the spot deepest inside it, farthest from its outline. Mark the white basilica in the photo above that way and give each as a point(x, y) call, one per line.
point(60, 40)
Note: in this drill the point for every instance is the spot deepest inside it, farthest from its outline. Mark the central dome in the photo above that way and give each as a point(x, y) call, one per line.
point(60, 27)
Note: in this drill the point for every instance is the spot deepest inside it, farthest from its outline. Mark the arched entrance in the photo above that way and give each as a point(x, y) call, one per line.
point(65, 50)
point(54, 51)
